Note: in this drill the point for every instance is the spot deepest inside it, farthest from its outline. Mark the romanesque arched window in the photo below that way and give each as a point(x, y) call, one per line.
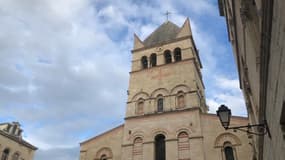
point(5, 154)
point(177, 54)
point(160, 103)
point(228, 151)
point(144, 62)
point(167, 56)
point(183, 146)
point(180, 100)
point(140, 107)
point(16, 156)
point(228, 143)
point(153, 60)
point(138, 148)
point(160, 147)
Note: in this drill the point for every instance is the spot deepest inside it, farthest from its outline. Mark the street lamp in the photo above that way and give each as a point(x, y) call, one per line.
point(224, 114)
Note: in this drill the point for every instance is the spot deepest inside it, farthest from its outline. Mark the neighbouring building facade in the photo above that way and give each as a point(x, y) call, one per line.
point(166, 113)
point(256, 30)
point(12, 145)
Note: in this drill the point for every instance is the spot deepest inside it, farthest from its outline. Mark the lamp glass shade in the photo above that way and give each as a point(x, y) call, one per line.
point(224, 114)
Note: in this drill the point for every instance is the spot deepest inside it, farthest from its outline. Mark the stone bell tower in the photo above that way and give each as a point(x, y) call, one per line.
point(165, 73)
point(165, 83)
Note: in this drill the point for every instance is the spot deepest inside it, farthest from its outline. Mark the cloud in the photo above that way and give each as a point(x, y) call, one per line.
point(230, 84)
point(60, 68)
point(227, 92)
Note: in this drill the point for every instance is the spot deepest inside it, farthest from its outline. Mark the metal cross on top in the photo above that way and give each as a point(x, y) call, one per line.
point(167, 14)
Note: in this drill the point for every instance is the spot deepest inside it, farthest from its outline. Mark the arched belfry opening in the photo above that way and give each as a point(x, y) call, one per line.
point(160, 147)
point(144, 62)
point(152, 60)
point(177, 54)
point(167, 56)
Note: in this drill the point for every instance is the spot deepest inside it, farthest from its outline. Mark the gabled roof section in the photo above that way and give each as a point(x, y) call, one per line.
point(137, 42)
point(166, 32)
point(102, 134)
point(185, 29)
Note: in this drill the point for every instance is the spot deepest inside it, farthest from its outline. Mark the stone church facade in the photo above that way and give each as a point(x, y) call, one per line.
point(166, 113)
point(12, 144)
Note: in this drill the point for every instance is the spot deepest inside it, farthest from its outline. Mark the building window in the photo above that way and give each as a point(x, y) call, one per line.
point(160, 147)
point(180, 100)
point(229, 154)
point(144, 62)
point(140, 107)
point(177, 54)
point(167, 56)
point(183, 146)
point(153, 60)
point(160, 104)
point(228, 151)
point(5, 154)
point(138, 148)
point(16, 156)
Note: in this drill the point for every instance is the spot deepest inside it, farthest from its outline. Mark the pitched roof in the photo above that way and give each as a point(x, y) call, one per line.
point(102, 134)
point(166, 32)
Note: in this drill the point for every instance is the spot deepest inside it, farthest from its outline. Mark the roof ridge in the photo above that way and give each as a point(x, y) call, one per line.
point(101, 134)
point(164, 23)
point(165, 32)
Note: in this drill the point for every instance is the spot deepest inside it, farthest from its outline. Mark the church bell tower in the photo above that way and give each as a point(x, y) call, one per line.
point(166, 73)
point(165, 96)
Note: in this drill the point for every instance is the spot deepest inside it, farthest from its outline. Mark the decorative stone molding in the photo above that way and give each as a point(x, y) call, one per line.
point(139, 95)
point(183, 129)
point(180, 87)
point(137, 134)
point(226, 137)
point(162, 91)
point(158, 131)
point(104, 151)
